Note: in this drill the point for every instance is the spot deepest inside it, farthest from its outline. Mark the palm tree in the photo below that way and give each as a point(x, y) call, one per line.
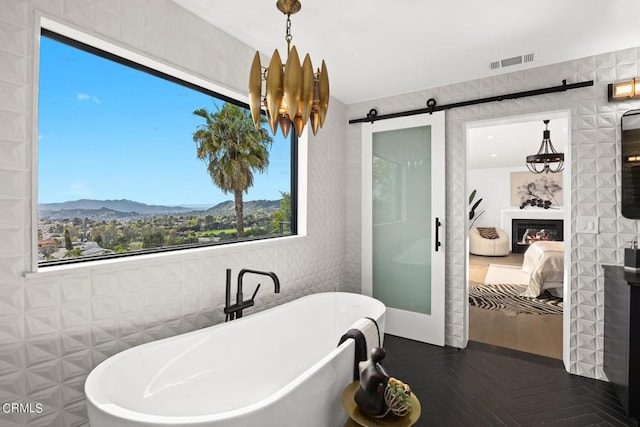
point(233, 150)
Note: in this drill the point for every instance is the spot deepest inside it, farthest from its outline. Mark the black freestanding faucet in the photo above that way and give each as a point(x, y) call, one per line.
point(235, 311)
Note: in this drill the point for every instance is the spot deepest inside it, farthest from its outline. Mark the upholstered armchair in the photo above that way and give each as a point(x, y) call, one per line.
point(488, 241)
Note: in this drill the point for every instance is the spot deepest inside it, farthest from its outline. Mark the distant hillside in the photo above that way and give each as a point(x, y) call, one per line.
point(108, 210)
point(250, 207)
point(115, 205)
point(102, 214)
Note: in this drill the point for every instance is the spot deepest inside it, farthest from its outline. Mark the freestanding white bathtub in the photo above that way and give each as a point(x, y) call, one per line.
point(279, 367)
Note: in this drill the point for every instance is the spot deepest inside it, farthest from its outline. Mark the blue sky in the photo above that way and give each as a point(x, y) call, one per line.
point(107, 131)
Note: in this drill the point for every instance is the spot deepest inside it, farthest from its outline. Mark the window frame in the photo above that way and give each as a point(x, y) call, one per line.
point(145, 63)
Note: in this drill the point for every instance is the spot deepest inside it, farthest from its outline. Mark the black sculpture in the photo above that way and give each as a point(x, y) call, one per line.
point(373, 379)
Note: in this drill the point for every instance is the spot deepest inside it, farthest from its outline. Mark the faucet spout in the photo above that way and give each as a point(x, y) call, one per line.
point(271, 274)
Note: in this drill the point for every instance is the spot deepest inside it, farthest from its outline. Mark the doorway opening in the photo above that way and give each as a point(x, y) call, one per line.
point(519, 235)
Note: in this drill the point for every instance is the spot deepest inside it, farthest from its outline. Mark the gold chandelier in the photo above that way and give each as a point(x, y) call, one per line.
point(294, 93)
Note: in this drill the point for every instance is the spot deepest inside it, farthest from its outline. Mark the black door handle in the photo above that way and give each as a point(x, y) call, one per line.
point(438, 224)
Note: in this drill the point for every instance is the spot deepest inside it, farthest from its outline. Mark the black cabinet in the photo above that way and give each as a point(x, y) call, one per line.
point(622, 335)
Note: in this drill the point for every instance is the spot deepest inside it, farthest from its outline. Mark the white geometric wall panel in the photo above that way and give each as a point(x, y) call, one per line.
point(595, 182)
point(56, 326)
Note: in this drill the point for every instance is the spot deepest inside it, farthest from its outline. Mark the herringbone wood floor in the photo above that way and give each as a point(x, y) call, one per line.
point(485, 385)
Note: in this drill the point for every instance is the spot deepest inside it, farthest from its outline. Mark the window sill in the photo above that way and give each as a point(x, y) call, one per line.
point(140, 259)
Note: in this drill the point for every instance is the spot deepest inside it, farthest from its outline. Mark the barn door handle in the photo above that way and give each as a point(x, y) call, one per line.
point(438, 224)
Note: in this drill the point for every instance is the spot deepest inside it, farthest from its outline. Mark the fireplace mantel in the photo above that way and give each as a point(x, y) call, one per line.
point(506, 215)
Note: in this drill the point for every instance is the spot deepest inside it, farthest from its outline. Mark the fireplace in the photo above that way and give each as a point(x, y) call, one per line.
point(524, 232)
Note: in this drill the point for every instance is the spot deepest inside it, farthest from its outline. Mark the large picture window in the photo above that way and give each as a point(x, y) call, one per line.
point(132, 161)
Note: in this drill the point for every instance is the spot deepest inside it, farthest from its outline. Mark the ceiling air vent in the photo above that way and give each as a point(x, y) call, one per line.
point(507, 62)
point(511, 61)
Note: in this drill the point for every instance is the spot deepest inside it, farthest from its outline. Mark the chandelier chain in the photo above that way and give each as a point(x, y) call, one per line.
point(288, 37)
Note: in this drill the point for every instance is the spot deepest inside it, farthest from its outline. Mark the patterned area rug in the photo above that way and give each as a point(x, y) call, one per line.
point(507, 298)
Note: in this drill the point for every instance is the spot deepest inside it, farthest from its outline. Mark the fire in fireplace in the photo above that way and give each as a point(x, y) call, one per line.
point(524, 232)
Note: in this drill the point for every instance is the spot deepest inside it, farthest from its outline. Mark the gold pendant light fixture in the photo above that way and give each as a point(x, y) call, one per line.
point(547, 159)
point(294, 93)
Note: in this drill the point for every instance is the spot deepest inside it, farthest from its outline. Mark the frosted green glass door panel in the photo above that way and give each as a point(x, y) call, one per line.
point(401, 232)
point(403, 223)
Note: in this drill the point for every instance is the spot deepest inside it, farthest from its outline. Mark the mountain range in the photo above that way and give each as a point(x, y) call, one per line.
point(122, 205)
point(128, 209)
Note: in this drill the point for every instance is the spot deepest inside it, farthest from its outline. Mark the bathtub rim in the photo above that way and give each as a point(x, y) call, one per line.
point(101, 403)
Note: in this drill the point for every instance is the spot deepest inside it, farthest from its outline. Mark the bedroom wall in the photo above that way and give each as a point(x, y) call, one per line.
point(595, 183)
point(494, 188)
point(56, 326)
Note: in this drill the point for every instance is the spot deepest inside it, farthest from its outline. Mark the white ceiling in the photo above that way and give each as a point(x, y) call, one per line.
point(506, 143)
point(379, 48)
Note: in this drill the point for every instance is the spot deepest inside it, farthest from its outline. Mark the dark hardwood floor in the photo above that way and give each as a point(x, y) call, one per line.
point(485, 385)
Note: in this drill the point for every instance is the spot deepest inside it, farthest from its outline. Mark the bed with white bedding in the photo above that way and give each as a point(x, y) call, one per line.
point(544, 263)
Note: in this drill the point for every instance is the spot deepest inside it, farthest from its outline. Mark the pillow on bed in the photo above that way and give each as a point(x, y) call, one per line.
point(488, 232)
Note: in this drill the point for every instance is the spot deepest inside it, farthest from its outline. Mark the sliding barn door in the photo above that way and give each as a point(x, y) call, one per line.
point(403, 209)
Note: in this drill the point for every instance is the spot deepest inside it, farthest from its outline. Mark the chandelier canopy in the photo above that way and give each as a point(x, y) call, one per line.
point(547, 159)
point(294, 93)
